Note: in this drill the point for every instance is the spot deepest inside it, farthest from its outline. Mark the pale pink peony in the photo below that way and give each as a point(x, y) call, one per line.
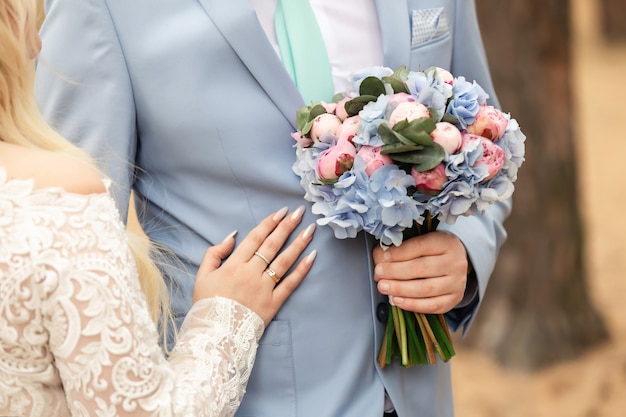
point(305, 141)
point(489, 123)
point(349, 128)
point(493, 155)
point(430, 182)
point(445, 75)
point(334, 161)
point(398, 98)
point(409, 110)
point(340, 109)
point(330, 107)
point(373, 158)
point(323, 124)
point(448, 136)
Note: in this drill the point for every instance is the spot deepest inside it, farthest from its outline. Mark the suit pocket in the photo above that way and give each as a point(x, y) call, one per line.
point(431, 39)
point(271, 388)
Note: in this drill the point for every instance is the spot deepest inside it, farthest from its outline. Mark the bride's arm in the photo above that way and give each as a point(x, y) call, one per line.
point(105, 345)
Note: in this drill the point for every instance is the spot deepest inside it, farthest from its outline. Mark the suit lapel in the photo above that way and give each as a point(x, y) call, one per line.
point(393, 18)
point(237, 21)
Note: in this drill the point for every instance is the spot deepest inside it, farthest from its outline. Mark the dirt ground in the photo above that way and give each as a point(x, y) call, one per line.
point(595, 384)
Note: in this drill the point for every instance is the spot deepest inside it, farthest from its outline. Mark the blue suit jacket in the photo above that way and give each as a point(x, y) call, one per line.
point(192, 94)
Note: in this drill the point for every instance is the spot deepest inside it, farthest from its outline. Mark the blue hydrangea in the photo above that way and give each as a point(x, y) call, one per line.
point(372, 116)
point(467, 99)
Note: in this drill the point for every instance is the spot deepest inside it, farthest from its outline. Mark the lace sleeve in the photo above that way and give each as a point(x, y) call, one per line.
point(104, 343)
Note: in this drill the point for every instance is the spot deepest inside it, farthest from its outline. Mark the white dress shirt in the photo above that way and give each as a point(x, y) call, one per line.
point(352, 43)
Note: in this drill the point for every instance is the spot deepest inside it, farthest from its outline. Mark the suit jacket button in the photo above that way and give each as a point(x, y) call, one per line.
point(382, 312)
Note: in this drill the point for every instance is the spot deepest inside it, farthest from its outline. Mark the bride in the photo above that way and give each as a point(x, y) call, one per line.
point(77, 335)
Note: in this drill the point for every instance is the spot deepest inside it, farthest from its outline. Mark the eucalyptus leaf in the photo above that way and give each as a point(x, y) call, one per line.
point(401, 73)
point(338, 97)
point(418, 130)
point(424, 159)
point(371, 86)
point(447, 117)
point(316, 111)
point(388, 135)
point(354, 106)
point(302, 118)
point(397, 85)
point(395, 148)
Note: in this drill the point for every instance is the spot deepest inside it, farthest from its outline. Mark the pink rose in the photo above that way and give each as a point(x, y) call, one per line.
point(373, 158)
point(349, 128)
point(430, 182)
point(340, 110)
point(334, 161)
point(408, 110)
point(448, 136)
point(489, 123)
point(493, 155)
point(323, 124)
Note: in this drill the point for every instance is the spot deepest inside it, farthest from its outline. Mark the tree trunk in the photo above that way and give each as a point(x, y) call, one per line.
point(613, 16)
point(537, 310)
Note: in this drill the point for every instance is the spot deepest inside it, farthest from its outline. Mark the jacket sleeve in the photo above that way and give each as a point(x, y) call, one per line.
point(482, 235)
point(83, 87)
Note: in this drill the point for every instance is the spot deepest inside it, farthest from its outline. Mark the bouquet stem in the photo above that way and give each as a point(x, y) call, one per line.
point(416, 338)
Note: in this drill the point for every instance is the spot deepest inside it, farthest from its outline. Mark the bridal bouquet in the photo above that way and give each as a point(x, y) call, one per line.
point(395, 155)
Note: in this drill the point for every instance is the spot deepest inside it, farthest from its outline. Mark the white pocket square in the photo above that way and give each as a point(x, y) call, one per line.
point(427, 24)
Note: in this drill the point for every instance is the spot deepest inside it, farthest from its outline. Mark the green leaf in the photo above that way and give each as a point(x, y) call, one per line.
point(305, 116)
point(418, 131)
point(316, 111)
point(372, 86)
point(354, 106)
point(395, 148)
point(337, 97)
point(401, 73)
point(302, 117)
point(424, 159)
point(447, 117)
point(397, 85)
point(390, 136)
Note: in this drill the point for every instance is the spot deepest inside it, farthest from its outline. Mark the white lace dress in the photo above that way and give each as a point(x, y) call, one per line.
point(76, 337)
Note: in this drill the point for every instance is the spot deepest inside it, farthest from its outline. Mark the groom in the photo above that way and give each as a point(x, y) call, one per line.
point(187, 103)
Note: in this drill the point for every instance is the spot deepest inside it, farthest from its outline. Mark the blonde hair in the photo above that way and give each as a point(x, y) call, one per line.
point(21, 123)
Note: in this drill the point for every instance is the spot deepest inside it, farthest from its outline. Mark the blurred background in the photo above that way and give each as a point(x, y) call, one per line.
point(550, 338)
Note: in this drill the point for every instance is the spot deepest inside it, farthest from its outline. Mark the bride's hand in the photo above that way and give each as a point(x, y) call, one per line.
point(246, 277)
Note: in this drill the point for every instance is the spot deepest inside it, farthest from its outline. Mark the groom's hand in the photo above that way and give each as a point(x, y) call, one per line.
point(426, 274)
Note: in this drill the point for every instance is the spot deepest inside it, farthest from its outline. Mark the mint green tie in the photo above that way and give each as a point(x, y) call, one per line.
point(302, 50)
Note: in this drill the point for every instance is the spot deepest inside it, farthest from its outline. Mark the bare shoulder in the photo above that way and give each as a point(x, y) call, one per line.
point(50, 169)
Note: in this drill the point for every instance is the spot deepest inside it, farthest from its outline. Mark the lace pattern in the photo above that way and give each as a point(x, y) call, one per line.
point(76, 337)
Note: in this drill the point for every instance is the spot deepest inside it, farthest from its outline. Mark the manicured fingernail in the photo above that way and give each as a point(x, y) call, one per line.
point(311, 256)
point(230, 236)
point(308, 231)
point(298, 213)
point(383, 287)
point(386, 255)
point(280, 213)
